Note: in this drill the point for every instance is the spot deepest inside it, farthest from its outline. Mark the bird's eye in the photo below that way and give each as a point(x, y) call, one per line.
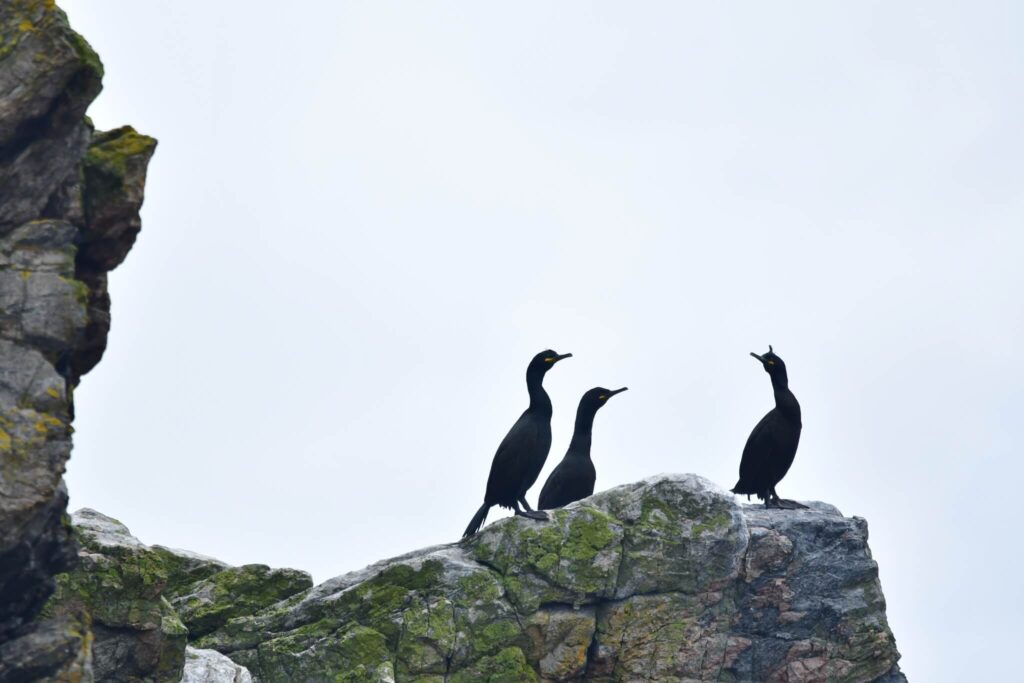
point(549, 360)
point(602, 397)
point(771, 362)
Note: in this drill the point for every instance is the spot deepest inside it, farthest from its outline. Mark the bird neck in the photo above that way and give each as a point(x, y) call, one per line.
point(581, 434)
point(785, 401)
point(539, 401)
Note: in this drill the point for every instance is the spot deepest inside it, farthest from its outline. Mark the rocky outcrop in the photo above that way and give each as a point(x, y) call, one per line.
point(667, 579)
point(210, 666)
point(69, 202)
point(664, 580)
point(120, 583)
point(144, 603)
point(112, 179)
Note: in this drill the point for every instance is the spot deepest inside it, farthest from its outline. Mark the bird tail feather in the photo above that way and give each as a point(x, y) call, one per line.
point(742, 487)
point(477, 521)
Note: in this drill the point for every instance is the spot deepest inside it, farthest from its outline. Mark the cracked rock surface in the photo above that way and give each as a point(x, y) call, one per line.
point(667, 579)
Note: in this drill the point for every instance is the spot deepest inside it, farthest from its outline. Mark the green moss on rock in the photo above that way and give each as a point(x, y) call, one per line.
point(480, 587)
point(507, 666)
point(357, 655)
point(86, 55)
point(427, 638)
point(574, 558)
point(236, 591)
point(184, 569)
point(109, 171)
point(120, 583)
point(111, 152)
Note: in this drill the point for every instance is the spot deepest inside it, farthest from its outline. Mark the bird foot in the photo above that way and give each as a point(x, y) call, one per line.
point(534, 514)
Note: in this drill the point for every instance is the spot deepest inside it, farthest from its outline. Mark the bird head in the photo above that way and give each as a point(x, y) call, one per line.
point(773, 365)
point(545, 360)
point(597, 397)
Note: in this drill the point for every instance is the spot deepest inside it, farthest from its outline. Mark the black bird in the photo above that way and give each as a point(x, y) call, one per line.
point(522, 452)
point(771, 447)
point(574, 477)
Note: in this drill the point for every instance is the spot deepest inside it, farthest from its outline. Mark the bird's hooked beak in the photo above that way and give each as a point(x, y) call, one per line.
point(765, 361)
point(608, 395)
point(562, 357)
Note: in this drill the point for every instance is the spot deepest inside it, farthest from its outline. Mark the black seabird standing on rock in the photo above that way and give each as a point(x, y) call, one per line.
point(522, 452)
point(574, 477)
point(771, 447)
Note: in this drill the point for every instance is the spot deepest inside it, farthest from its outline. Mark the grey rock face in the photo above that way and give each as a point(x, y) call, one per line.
point(57, 649)
point(41, 312)
point(103, 534)
point(667, 579)
point(48, 77)
point(210, 666)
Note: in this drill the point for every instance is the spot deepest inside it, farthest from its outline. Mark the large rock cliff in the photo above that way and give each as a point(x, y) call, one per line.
point(69, 202)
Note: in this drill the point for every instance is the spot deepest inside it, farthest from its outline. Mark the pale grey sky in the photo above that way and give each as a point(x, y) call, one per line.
point(363, 219)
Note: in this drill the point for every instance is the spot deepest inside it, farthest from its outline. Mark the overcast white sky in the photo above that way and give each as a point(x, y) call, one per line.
point(363, 219)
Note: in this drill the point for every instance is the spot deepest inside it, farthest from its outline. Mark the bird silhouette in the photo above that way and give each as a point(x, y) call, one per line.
point(772, 444)
point(573, 478)
point(521, 455)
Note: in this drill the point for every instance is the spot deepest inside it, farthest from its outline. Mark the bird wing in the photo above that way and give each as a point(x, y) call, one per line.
point(572, 480)
point(552, 488)
point(511, 461)
point(757, 454)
